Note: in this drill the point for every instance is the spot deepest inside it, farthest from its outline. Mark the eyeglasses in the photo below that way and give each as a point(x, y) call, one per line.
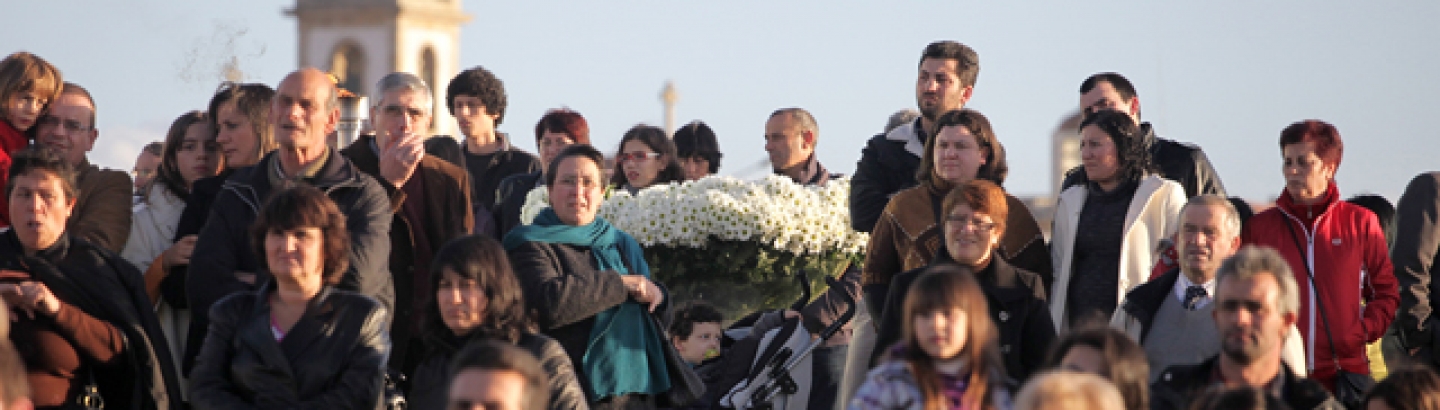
point(637, 156)
point(975, 224)
point(67, 125)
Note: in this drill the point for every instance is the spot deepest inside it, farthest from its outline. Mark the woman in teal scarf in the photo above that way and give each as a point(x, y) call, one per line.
point(590, 288)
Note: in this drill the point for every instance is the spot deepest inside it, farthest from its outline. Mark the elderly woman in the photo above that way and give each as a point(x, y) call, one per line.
point(647, 157)
point(296, 342)
point(975, 215)
point(1337, 244)
point(477, 299)
point(590, 287)
point(1107, 228)
point(555, 131)
point(81, 318)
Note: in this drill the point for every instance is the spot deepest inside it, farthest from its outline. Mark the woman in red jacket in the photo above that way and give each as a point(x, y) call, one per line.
point(1354, 290)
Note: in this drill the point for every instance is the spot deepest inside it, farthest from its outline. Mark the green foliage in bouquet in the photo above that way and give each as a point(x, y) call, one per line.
point(742, 277)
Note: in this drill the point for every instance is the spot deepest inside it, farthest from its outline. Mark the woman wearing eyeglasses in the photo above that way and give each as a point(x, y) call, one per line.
point(646, 158)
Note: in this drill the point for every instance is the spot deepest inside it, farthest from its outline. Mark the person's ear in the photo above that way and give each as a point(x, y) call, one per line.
point(965, 95)
point(1288, 319)
point(1135, 108)
point(808, 139)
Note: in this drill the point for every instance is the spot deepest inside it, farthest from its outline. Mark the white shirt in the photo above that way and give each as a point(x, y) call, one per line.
point(1183, 283)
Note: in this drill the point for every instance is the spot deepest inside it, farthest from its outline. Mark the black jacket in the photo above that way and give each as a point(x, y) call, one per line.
point(1179, 386)
point(108, 287)
point(510, 200)
point(1143, 302)
point(429, 381)
point(1415, 255)
point(333, 358)
point(885, 168)
point(224, 246)
point(197, 208)
point(565, 291)
point(1018, 306)
point(1179, 162)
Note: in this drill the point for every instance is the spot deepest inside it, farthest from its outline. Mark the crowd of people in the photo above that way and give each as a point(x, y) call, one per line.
point(246, 262)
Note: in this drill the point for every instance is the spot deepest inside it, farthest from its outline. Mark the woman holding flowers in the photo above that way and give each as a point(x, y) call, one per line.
point(590, 287)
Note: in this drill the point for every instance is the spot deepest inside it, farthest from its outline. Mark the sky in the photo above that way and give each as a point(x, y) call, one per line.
point(1225, 75)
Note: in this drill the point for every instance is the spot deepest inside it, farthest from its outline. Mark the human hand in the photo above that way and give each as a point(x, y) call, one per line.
point(179, 253)
point(30, 297)
point(399, 158)
point(643, 290)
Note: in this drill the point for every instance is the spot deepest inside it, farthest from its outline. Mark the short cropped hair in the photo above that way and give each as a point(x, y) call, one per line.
point(156, 148)
point(36, 158)
point(72, 88)
point(1068, 390)
point(1119, 82)
point(1252, 261)
point(479, 83)
point(981, 196)
point(578, 150)
point(401, 81)
point(802, 118)
point(491, 355)
point(967, 61)
point(1232, 216)
point(25, 72)
point(563, 121)
point(1328, 145)
point(684, 320)
point(304, 206)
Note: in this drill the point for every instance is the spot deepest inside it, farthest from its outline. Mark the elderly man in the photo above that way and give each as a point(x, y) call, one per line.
point(1256, 301)
point(1171, 315)
point(102, 210)
point(304, 111)
point(430, 197)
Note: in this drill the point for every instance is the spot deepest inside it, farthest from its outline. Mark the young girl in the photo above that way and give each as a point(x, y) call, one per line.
point(27, 84)
point(948, 358)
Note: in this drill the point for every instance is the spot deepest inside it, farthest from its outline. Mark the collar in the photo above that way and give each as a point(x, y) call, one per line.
point(1183, 283)
point(277, 173)
point(912, 134)
point(1309, 213)
point(812, 172)
point(502, 138)
point(55, 252)
point(1276, 386)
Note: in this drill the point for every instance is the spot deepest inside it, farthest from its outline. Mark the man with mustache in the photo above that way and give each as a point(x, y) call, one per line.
point(1256, 301)
point(102, 208)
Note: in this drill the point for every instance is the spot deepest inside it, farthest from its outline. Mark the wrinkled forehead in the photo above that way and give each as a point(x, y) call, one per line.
point(304, 87)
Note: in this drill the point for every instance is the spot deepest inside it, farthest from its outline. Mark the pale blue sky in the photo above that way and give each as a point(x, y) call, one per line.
point(1225, 75)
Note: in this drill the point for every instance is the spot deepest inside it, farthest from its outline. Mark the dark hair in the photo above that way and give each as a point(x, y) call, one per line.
point(253, 101)
point(168, 174)
point(1126, 365)
point(1328, 145)
point(697, 140)
point(981, 196)
point(563, 121)
point(1132, 149)
point(995, 168)
point(156, 148)
point(1122, 86)
point(967, 61)
point(24, 72)
point(578, 150)
point(38, 158)
point(1242, 209)
point(72, 88)
point(1384, 211)
point(14, 384)
point(482, 259)
point(943, 287)
point(479, 83)
point(684, 320)
point(304, 206)
point(655, 138)
point(490, 355)
point(1411, 386)
point(1219, 397)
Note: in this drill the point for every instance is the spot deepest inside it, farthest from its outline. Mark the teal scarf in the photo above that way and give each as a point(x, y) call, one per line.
point(624, 354)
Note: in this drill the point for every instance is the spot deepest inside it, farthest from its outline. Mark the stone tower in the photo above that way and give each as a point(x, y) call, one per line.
point(360, 41)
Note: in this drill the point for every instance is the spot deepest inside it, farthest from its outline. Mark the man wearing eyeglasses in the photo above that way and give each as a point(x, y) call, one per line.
point(102, 209)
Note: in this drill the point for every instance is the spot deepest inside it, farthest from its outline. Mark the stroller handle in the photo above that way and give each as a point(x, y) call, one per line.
point(845, 317)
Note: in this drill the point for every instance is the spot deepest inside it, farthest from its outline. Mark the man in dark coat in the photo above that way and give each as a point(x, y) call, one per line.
point(304, 111)
point(1256, 302)
point(1179, 162)
point(429, 197)
point(1416, 251)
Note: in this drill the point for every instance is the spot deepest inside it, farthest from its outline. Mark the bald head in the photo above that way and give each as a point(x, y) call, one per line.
point(305, 109)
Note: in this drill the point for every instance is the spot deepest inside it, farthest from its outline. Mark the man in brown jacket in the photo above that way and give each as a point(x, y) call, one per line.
point(430, 198)
point(102, 209)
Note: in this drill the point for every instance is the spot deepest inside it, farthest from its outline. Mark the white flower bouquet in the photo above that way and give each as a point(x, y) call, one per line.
point(736, 244)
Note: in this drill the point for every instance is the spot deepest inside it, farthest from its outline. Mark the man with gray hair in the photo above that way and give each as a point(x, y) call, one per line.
point(1255, 305)
point(790, 138)
point(429, 197)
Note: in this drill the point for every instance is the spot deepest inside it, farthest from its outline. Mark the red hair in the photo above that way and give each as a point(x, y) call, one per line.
point(1321, 134)
point(564, 121)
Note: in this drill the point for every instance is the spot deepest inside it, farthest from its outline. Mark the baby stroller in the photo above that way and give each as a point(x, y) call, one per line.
point(769, 368)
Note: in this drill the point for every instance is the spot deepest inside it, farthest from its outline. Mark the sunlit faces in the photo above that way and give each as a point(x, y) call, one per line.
point(1098, 155)
point(1204, 239)
point(198, 154)
point(145, 167)
point(1306, 176)
point(577, 192)
point(703, 343)
point(958, 156)
point(473, 117)
point(39, 208)
point(938, 88)
point(942, 333)
point(640, 163)
point(23, 109)
point(787, 143)
point(236, 136)
point(486, 389)
point(462, 302)
point(970, 236)
point(67, 127)
point(295, 254)
point(1248, 316)
point(551, 143)
point(695, 167)
point(1105, 97)
point(400, 114)
point(301, 111)
point(1082, 358)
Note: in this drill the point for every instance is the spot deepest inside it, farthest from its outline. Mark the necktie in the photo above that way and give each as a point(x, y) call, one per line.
point(1193, 296)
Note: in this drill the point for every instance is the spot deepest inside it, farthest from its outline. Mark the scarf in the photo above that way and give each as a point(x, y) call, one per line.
point(624, 354)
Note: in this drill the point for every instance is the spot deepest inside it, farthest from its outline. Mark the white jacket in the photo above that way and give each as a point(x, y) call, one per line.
point(1153, 215)
point(152, 229)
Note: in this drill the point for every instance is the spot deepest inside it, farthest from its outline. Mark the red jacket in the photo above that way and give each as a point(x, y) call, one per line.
point(11, 140)
point(1351, 264)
